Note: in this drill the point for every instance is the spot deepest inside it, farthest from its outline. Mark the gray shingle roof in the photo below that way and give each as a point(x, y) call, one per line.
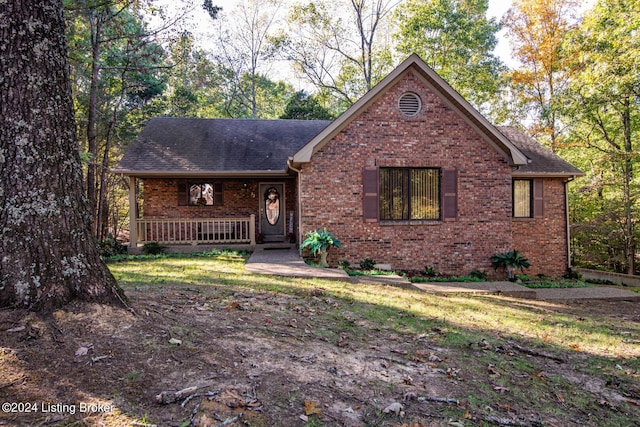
point(543, 161)
point(182, 146)
point(191, 145)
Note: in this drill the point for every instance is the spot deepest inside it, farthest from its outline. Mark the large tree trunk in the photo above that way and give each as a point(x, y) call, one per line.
point(48, 252)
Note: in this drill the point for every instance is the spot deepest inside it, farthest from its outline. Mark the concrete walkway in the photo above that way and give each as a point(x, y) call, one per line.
point(510, 289)
point(284, 260)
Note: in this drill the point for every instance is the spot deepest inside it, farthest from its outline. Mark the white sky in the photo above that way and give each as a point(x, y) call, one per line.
point(497, 9)
point(201, 25)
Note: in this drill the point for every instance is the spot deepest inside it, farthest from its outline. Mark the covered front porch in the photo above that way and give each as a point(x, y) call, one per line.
point(215, 181)
point(179, 214)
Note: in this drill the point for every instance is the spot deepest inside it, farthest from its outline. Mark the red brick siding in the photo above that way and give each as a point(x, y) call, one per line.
point(436, 137)
point(161, 199)
point(544, 240)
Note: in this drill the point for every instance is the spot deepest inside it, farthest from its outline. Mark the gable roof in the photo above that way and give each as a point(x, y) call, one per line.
point(452, 98)
point(174, 147)
point(170, 146)
point(543, 162)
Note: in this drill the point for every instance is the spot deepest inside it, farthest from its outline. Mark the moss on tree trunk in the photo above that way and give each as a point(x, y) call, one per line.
point(48, 253)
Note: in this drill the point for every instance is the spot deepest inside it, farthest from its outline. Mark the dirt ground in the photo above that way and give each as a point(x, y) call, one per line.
point(193, 356)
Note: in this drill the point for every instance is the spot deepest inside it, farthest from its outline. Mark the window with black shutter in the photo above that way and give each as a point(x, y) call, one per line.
point(370, 190)
point(528, 198)
point(397, 194)
point(200, 194)
point(409, 193)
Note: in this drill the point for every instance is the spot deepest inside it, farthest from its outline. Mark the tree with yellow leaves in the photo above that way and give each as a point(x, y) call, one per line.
point(537, 30)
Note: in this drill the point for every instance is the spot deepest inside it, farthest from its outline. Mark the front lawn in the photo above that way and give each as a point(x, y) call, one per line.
point(276, 351)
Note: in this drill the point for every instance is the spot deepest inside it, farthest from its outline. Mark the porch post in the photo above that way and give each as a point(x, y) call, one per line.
point(133, 215)
point(252, 229)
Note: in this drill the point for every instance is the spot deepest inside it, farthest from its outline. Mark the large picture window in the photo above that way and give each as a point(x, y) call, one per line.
point(522, 198)
point(407, 194)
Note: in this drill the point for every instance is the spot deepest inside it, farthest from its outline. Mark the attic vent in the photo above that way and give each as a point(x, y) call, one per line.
point(409, 104)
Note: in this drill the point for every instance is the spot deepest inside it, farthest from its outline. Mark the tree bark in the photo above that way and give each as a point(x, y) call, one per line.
point(48, 252)
point(95, 19)
point(630, 244)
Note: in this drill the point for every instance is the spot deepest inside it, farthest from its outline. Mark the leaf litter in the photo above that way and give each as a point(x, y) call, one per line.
point(262, 359)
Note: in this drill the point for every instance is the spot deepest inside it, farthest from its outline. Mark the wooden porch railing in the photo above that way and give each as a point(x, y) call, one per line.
point(194, 231)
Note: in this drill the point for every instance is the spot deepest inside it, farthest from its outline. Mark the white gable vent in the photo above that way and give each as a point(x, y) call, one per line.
point(409, 104)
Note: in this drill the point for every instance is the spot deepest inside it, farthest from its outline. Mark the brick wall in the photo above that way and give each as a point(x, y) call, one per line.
point(436, 137)
point(544, 240)
point(160, 199)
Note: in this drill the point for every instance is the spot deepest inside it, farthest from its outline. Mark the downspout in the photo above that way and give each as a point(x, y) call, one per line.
point(298, 197)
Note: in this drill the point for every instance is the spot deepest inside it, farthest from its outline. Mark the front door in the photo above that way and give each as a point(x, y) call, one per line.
point(272, 211)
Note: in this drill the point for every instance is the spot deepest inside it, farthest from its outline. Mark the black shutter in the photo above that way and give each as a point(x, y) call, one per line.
point(538, 198)
point(449, 190)
point(217, 194)
point(370, 198)
point(183, 194)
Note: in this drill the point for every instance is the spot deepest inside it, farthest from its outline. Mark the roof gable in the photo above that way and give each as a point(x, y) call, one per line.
point(438, 86)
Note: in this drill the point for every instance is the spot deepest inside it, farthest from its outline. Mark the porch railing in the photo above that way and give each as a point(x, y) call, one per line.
point(194, 231)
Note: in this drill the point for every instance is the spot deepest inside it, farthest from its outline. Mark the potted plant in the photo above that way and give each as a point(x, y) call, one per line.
point(319, 242)
point(510, 261)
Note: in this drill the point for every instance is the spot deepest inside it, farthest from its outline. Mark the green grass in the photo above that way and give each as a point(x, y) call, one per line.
point(594, 344)
point(546, 282)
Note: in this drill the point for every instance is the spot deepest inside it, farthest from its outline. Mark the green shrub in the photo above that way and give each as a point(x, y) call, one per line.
point(367, 264)
point(510, 261)
point(319, 242)
point(421, 279)
point(478, 274)
point(572, 275)
point(344, 264)
point(430, 271)
point(111, 247)
point(153, 248)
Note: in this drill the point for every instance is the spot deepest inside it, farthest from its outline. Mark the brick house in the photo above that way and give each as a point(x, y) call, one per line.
point(411, 175)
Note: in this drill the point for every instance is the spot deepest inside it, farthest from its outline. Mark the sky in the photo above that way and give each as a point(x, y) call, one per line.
point(497, 8)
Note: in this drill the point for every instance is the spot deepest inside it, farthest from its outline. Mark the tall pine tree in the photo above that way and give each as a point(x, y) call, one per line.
point(48, 254)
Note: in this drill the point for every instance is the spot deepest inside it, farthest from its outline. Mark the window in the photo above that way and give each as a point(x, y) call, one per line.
point(407, 194)
point(200, 194)
point(522, 198)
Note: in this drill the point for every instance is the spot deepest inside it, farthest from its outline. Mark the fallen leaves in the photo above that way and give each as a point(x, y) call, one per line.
point(576, 347)
point(310, 407)
point(82, 351)
point(234, 399)
point(234, 305)
point(540, 376)
point(395, 407)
